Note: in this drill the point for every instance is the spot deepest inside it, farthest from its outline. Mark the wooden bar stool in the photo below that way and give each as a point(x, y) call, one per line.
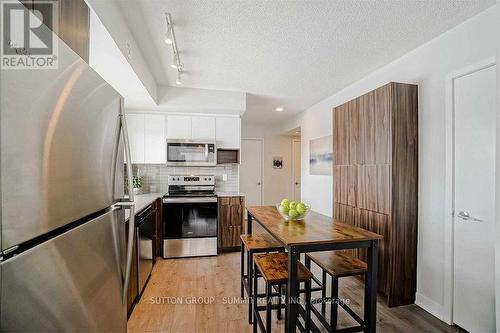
point(336, 264)
point(274, 270)
point(252, 244)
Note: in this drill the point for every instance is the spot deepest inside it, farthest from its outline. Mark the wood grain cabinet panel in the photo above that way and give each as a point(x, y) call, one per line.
point(230, 222)
point(373, 190)
point(340, 143)
point(382, 124)
point(345, 179)
point(366, 128)
point(378, 223)
point(375, 179)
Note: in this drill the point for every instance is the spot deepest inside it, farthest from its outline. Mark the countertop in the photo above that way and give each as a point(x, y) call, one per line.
point(229, 194)
point(142, 201)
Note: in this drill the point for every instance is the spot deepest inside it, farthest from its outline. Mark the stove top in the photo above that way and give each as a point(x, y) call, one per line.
point(190, 195)
point(192, 186)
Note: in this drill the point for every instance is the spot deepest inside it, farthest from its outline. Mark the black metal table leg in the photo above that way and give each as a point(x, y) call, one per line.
point(370, 316)
point(268, 307)
point(251, 291)
point(254, 300)
point(242, 271)
point(249, 223)
point(334, 303)
point(292, 291)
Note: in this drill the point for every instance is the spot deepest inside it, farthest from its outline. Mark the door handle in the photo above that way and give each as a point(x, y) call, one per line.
point(464, 215)
point(259, 183)
point(129, 205)
point(297, 183)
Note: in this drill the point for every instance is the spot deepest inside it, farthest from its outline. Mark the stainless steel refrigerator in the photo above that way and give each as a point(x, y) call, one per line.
point(65, 260)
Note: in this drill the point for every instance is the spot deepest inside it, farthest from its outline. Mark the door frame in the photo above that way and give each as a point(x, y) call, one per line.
point(449, 246)
point(293, 165)
point(261, 166)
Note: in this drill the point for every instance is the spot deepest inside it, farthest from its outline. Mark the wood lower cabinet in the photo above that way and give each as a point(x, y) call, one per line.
point(230, 221)
point(375, 180)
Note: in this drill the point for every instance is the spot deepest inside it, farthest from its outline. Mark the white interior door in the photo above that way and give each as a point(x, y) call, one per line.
point(251, 171)
point(474, 198)
point(296, 170)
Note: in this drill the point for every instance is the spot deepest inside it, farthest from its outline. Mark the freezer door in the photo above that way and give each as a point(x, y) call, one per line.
point(70, 283)
point(59, 137)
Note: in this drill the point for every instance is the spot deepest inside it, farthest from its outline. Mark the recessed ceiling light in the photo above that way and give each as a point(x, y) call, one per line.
point(178, 82)
point(279, 109)
point(174, 66)
point(168, 40)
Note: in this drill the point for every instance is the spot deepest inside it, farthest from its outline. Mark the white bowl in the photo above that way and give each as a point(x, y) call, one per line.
point(288, 218)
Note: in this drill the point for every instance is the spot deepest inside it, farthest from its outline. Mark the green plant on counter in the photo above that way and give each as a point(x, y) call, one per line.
point(137, 181)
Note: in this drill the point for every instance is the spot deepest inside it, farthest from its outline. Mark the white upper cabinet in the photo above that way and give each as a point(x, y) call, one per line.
point(155, 144)
point(135, 127)
point(202, 128)
point(227, 131)
point(178, 127)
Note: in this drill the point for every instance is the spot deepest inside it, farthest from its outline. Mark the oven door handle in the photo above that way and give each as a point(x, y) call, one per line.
point(189, 200)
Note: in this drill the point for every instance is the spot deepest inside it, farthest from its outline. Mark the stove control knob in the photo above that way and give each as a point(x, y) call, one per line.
point(209, 178)
point(178, 179)
point(205, 179)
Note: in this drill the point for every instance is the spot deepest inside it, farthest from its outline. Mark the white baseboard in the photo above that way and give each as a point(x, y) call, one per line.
point(430, 306)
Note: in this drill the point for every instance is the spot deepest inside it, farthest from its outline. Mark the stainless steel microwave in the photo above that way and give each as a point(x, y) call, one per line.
point(191, 153)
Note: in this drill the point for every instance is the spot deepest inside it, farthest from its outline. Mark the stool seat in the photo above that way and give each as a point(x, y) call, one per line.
point(274, 268)
point(338, 264)
point(263, 242)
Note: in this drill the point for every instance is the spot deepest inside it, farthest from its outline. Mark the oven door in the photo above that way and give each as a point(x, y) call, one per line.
point(191, 153)
point(189, 227)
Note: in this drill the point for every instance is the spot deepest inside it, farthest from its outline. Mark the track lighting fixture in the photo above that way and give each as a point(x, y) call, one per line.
point(170, 40)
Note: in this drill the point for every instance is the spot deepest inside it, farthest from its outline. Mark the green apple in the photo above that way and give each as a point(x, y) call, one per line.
point(301, 208)
point(284, 209)
point(293, 213)
point(292, 205)
point(285, 202)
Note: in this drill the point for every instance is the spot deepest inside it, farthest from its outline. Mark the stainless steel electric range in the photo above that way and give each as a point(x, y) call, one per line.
point(190, 216)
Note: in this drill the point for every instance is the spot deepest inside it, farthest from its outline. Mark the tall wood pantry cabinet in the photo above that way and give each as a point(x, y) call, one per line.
point(375, 180)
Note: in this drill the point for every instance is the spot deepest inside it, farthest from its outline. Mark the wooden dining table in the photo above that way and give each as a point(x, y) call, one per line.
point(317, 232)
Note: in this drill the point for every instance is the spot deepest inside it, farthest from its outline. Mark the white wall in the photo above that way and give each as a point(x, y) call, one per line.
point(470, 42)
point(497, 177)
point(278, 183)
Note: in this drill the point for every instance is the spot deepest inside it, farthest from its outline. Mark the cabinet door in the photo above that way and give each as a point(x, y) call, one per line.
point(135, 126)
point(228, 132)
point(230, 221)
point(155, 144)
point(178, 127)
point(203, 128)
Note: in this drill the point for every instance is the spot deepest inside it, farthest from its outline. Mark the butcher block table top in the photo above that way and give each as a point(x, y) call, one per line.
point(315, 228)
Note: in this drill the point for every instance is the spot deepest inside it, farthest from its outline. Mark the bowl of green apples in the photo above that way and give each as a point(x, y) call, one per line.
point(291, 210)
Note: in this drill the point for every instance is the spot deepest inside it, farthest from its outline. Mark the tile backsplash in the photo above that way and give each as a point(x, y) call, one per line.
point(154, 176)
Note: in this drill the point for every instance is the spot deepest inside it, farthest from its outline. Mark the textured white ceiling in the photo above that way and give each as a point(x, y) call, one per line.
point(286, 53)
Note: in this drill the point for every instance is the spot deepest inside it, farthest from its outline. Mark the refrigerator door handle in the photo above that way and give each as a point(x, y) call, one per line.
point(128, 205)
point(130, 245)
point(128, 155)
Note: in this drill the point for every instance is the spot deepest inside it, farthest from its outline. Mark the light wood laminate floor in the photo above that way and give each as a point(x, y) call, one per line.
point(209, 288)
